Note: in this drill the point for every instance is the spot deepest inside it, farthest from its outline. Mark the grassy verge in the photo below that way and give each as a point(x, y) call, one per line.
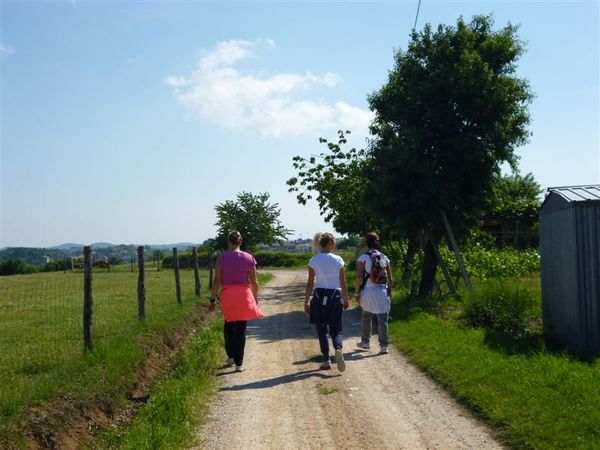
point(533, 397)
point(178, 402)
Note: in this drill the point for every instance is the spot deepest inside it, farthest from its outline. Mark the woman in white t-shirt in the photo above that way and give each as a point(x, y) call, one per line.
point(372, 291)
point(329, 298)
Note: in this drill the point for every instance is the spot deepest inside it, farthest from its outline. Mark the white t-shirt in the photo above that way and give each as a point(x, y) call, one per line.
point(327, 268)
point(366, 259)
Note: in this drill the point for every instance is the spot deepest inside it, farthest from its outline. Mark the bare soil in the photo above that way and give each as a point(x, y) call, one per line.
point(283, 400)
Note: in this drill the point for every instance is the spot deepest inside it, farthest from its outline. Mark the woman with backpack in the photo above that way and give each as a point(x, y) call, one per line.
point(328, 299)
point(373, 287)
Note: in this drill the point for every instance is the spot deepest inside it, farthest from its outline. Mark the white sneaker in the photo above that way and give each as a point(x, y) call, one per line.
point(363, 345)
point(325, 365)
point(339, 359)
point(383, 350)
point(239, 369)
point(229, 362)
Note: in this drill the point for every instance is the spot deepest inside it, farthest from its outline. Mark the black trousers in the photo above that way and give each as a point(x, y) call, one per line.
point(235, 340)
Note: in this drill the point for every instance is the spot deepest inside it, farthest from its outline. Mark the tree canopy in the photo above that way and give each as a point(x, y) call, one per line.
point(450, 114)
point(253, 216)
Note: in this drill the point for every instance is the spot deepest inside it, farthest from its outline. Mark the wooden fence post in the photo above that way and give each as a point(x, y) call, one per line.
point(88, 302)
point(176, 267)
point(141, 290)
point(197, 285)
point(210, 268)
point(457, 252)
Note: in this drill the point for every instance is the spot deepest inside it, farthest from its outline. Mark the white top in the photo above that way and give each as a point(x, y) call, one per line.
point(327, 268)
point(366, 259)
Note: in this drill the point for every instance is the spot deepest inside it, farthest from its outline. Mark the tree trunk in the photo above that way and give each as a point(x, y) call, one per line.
point(429, 268)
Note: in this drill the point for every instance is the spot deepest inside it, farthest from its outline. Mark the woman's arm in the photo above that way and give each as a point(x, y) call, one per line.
point(309, 289)
point(344, 288)
point(254, 283)
point(217, 278)
point(360, 273)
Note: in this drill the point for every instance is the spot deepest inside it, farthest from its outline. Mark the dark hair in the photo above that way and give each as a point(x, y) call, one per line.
point(372, 240)
point(235, 238)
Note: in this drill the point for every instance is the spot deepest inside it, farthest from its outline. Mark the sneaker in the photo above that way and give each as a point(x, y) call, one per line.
point(339, 359)
point(239, 369)
point(363, 345)
point(325, 365)
point(229, 362)
point(383, 350)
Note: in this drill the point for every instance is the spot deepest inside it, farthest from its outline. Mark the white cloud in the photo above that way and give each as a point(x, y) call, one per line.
point(272, 105)
point(6, 49)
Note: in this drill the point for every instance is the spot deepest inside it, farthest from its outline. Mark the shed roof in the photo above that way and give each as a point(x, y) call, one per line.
point(567, 196)
point(578, 193)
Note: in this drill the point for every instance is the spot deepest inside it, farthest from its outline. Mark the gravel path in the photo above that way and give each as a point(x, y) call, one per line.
point(282, 400)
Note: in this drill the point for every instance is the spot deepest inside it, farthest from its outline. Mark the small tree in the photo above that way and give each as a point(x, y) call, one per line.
point(254, 217)
point(513, 205)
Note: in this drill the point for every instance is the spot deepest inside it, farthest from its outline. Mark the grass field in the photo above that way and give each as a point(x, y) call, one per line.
point(533, 397)
point(41, 334)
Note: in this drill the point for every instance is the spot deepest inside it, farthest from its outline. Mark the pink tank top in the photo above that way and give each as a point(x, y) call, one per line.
point(235, 267)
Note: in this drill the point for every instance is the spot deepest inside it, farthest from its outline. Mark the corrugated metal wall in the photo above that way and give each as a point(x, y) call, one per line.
point(559, 275)
point(570, 260)
point(588, 253)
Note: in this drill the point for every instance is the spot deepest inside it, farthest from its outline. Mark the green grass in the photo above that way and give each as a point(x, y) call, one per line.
point(178, 403)
point(533, 397)
point(41, 339)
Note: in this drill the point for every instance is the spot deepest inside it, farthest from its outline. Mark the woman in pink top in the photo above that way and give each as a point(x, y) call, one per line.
point(235, 275)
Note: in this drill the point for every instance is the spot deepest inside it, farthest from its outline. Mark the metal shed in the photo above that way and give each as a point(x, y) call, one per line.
point(570, 265)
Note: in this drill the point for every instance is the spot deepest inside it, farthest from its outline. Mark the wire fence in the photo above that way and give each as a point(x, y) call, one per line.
point(41, 326)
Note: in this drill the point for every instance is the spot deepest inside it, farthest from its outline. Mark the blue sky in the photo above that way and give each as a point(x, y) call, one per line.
point(128, 122)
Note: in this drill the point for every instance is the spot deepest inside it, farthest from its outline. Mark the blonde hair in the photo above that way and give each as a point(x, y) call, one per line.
point(322, 240)
point(235, 238)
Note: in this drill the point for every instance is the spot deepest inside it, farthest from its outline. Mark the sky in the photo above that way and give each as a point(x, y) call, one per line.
point(128, 122)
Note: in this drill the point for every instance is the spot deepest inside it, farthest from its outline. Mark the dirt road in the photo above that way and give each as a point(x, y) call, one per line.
point(282, 400)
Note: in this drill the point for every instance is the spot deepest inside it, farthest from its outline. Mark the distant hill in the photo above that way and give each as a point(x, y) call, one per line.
point(102, 251)
point(64, 246)
point(102, 245)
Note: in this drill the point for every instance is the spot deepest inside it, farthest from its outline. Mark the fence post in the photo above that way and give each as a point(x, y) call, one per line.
point(197, 285)
point(141, 290)
point(176, 267)
point(210, 268)
point(88, 302)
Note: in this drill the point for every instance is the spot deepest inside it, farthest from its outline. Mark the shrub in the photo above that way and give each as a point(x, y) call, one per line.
point(484, 263)
point(15, 267)
point(281, 259)
point(54, 266)
point(185, 260)
point(502, 307)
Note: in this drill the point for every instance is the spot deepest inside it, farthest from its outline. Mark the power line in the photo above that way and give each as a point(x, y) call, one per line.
point(417, 16)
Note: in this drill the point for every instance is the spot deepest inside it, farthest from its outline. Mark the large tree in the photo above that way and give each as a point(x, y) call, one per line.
point(254, 217)
point(451, 112)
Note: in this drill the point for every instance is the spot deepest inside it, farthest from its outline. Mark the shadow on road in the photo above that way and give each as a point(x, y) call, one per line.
point(284, 379)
